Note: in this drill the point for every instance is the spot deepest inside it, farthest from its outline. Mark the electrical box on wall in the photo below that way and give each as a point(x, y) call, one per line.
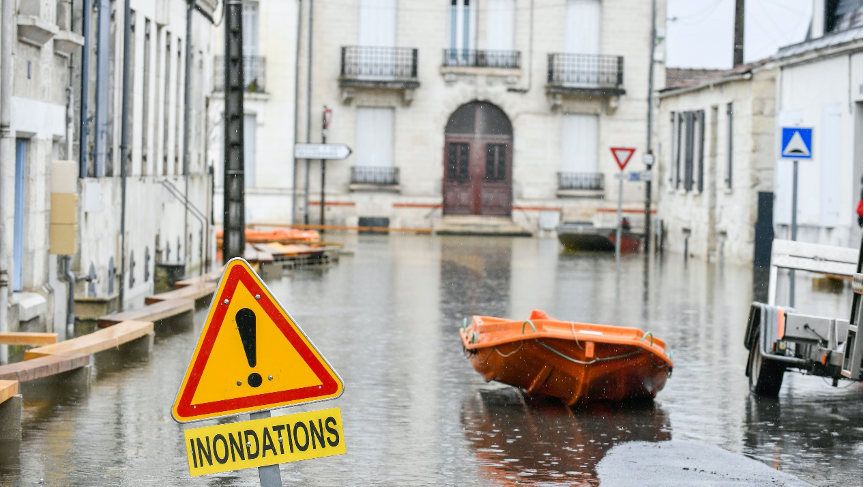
point(63, 228)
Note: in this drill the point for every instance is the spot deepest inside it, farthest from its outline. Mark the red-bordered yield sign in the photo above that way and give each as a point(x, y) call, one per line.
point(622, 155)
point(251, 355)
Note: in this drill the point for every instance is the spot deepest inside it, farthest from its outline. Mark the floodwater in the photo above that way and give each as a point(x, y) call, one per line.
point(416, 413)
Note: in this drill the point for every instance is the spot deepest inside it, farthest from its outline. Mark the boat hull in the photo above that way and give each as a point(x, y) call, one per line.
point(590, 238)
point(575, 362)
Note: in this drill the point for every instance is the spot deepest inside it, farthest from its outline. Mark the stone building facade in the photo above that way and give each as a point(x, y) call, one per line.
point(499, 111)
point(716, 132)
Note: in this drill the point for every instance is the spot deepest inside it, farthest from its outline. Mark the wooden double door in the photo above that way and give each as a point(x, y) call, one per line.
point(478, 165)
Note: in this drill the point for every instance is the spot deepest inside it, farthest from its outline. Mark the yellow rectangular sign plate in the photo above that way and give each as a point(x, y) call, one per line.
point(266, 441)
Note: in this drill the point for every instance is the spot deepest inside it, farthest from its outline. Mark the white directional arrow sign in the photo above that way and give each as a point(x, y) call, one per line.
point(321, 151)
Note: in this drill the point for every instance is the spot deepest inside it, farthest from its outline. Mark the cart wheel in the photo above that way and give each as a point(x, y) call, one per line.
point(766, 376)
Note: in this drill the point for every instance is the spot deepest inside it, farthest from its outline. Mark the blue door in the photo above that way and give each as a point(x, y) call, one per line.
point(18, 229)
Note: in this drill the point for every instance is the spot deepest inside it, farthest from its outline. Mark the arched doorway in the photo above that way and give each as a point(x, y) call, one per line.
point(478, 155)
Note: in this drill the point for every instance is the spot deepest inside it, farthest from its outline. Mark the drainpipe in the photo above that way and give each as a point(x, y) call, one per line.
point(70, 291)
point(187, 87)
point(296, 109)
point(124, 144)
point(7, 158)
point(308, 115)
point(86, 7)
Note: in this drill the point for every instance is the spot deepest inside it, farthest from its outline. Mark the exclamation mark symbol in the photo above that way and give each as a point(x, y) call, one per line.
point(246, 325)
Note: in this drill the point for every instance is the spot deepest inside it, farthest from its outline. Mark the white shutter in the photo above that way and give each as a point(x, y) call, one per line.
point(579, 134)
point(377, 23)
point(500, 23)
point(582, 34)
point(249, 129)
point(374, 137)
point(250, 28)
point(829, 158)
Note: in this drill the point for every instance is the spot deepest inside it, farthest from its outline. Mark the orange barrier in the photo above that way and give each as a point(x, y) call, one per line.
point(576, 362)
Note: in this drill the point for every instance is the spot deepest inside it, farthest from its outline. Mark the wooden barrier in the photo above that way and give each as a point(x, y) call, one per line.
point(44, 366)
point(161, 310)
point(27, 338)
point(8, 388)
point(192, 292)
point(98, 341)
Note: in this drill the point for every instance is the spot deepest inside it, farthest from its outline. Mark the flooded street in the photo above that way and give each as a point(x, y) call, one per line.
point(414, 410)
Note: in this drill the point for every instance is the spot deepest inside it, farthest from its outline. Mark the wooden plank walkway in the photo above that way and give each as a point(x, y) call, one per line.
point(192, 292)
point(161, 310)
point(27, 338)
point(8, 388)
point(44, 366)
point(97, 341)
point(212, 276)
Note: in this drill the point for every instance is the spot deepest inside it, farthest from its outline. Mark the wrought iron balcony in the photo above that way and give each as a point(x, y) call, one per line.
point(254, 74)
point(379, 66)
point(379, 176)
point(482, 59)
point(589, 73)
point(581, 180)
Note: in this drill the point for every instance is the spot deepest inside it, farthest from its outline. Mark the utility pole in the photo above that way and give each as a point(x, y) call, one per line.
point(7, 158)
point(233, 222)
point(124, 143)
point(649, 159)
point(738, 48)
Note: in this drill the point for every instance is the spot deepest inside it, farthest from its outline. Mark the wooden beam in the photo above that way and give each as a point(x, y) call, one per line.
point(95, 342)
point(154, 312)
point(8, 388)
point(194, 292)
point(45, 366)
point(27, 338)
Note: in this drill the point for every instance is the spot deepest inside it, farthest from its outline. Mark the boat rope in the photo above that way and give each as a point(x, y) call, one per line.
point(598, 359)
point(573, 329)
point(511, 353)
point(528, 322)
point(648, 333)
point(487, 356)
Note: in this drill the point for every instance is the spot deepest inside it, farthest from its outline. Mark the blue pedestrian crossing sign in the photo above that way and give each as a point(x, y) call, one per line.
point(796, 143)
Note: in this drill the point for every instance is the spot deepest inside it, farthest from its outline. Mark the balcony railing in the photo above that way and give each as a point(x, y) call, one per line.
point(379, 63)
point(592, 71)
point(254, 74)
point(381, 176)
point(482, 59)
point(580, 180)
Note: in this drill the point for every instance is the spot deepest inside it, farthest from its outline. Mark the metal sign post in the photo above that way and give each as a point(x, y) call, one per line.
point(325, 125)
point(796, 143)
point(622, 156)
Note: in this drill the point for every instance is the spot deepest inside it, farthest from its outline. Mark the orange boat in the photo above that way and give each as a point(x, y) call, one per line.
point(281, 235)
point(576, 362)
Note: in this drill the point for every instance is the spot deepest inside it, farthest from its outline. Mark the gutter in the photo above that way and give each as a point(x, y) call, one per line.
point(7, 157)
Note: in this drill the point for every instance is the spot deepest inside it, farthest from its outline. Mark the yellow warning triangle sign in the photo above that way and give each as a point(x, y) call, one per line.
point(251, 355)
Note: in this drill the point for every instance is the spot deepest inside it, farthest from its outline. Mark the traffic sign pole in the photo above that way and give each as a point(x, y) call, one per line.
point(618, 227)
point(268, 475)
point(794, 228)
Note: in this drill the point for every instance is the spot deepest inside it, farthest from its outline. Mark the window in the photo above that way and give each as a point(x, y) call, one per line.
point(166, 103)
point(672, 148)
point(377, 23)
point(579, 135)
point(457, 161)
point(690, 135)
point(178, 111)
point(462, 30)
point(500, 23)
point(729, 146)
point(375, 136)
point(127, 164)
point(250, 29)
point(582, 35)
point(496, 162)
point(145, 105)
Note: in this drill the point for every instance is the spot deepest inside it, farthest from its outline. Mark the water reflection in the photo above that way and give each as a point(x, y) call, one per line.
point(520, 439)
